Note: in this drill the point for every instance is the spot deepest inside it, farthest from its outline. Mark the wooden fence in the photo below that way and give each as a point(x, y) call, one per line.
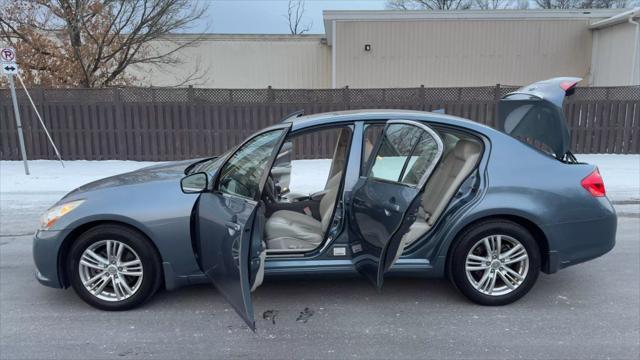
point(167, 124)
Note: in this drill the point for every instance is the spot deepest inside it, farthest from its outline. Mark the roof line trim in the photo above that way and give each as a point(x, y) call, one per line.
point(617, 19)
point(329, 15)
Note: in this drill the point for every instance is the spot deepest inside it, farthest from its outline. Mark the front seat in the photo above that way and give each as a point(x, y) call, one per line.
point(445, 181)
point(290, 230)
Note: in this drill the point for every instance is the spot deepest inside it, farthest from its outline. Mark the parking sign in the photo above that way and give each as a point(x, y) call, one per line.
point(8, 55)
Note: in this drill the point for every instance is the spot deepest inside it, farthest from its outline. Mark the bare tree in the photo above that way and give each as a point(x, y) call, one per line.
point(494, 4)
point(429, 4)
point(90, 43)
point(558, 4)
point(607, 4)
point(295, 15)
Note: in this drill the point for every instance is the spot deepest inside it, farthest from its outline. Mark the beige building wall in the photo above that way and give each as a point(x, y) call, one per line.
point(409, 49)
point(244, 61)
point(466, 52)
point(613, 58)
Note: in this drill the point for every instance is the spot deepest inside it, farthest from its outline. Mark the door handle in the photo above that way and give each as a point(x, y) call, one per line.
point(391, 208)
point(233, 226)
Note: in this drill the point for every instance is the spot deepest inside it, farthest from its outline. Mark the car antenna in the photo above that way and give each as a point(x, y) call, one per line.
point(292, 115)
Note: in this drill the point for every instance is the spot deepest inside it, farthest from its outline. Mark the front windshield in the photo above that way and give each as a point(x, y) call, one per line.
point(208, 165)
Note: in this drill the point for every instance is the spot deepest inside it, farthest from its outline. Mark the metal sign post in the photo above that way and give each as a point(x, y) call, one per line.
point(10, 68)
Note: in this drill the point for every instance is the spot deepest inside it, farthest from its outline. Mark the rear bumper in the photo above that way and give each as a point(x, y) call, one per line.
point(46, 246)
point(576, 242)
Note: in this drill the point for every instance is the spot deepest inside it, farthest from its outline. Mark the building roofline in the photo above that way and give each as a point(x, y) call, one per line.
point(247, 37)
point(438, 15)
point(467, 14)
point(616, 19)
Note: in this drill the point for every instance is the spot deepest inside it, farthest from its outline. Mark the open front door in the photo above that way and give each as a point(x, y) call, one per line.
point(385, 200)
point(230, 218)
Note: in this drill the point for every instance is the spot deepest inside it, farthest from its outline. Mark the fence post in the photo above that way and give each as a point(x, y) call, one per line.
point(496, 101)
point(270, 95)
point(421, 95)
point(346, 98)
point(120, 128)
point(190, 94)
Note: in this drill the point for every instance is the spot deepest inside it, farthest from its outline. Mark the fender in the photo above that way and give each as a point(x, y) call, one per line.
point(492, 205)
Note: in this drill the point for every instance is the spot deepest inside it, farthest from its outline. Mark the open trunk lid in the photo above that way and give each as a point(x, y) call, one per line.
point(534, 113)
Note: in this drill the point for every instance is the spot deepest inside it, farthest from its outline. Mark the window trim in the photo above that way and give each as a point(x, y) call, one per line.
point(285, 127)
point(430, 168)
point(363, 171)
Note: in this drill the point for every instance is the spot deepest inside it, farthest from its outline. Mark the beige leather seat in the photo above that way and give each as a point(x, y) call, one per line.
point(290, 230)
point(443, 184)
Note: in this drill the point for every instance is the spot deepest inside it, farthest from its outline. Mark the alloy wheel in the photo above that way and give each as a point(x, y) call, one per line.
point(496, 265)
point(110, 270)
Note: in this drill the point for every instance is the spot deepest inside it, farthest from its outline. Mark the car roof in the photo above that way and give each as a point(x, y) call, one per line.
point(336, 117)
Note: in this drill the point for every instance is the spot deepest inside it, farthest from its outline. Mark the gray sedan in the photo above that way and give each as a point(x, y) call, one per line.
point(396, 192)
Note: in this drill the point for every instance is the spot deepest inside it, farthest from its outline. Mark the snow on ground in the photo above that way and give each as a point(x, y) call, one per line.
point(50, 176)
point(621, 174)
point(309, 176)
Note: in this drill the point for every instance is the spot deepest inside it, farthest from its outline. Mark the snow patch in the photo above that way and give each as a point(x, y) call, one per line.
point(621, 174)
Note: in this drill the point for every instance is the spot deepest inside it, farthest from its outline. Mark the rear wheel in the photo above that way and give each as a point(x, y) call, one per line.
point(495, 262)
point(113, 267)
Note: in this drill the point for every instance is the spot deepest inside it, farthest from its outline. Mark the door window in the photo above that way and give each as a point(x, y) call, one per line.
point(405, 154)
point(424, 154)
point(243, 171)
point(372, 133)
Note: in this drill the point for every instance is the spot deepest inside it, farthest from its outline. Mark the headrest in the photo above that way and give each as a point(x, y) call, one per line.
point(466, 148)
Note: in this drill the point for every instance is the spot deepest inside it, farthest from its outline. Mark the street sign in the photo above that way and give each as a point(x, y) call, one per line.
point(10, 68)
point(7, 55)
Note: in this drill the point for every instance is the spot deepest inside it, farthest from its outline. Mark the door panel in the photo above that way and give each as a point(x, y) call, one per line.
point(225, 233)
point(230, 222)
point(386, 199)
point(378, 208)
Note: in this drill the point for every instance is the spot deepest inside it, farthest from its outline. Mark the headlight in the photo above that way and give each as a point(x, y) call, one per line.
point(52, 215)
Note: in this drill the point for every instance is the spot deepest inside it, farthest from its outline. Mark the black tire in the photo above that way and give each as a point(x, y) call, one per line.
point(470, 237)
point(152, 270)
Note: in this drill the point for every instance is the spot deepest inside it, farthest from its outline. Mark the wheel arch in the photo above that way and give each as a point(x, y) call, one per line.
point(81, 229)
point(535, 230)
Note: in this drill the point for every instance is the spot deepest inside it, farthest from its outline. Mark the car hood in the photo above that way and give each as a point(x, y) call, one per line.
point(170, 171)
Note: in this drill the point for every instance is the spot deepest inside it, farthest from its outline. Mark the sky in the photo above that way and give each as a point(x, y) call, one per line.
point(269, 16)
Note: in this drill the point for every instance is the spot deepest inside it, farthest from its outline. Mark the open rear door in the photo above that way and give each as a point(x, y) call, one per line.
point(229, 222)
point(385, 201)
point(534, 114)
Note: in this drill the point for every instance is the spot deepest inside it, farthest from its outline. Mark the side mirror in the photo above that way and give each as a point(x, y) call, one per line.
point(194, 183)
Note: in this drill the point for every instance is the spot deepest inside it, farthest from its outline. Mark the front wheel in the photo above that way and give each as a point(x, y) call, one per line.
point(113, 267)
point(495, 262)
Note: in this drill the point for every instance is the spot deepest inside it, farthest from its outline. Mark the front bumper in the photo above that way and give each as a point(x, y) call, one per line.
point(46, 248)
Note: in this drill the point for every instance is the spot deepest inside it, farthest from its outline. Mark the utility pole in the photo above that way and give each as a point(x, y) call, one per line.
point(10, 68)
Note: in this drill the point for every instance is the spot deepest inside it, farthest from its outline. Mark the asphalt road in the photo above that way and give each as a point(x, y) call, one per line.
point(590, 310)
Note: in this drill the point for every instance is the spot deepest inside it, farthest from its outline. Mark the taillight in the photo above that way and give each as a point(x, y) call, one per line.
point(594, 184)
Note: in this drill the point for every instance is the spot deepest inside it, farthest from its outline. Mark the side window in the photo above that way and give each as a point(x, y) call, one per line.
point(405, 154)
point(311, 161)
point(242, 173)
point(422, 157)
point(372, 133)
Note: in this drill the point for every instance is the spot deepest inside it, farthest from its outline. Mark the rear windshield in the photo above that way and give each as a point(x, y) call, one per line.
point(536, 122)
